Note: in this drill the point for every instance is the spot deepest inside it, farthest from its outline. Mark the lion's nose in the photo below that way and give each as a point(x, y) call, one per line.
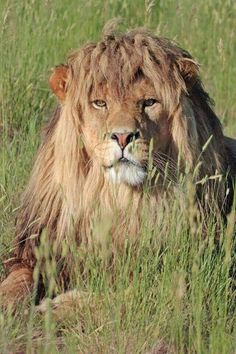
point(123, 139)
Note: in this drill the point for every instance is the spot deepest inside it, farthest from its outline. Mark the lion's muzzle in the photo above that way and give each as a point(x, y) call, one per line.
point(124, 166)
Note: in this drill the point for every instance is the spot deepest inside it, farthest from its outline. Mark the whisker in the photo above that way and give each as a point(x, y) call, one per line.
point(167, 168)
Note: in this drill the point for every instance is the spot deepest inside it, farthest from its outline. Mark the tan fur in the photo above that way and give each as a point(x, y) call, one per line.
point(68, 189)
point(17, 286)
point(57, 81)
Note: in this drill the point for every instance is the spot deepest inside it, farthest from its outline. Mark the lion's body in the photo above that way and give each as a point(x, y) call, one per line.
point(75, 179)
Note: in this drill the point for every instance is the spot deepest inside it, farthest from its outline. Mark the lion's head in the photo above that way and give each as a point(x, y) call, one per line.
point(124, 101)
point(129, 91)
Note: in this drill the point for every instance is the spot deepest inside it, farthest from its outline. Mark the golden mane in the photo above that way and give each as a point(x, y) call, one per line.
point(66, 190)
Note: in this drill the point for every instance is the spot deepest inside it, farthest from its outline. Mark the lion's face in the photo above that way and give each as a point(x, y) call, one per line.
point(124, 94)
point(117, 132)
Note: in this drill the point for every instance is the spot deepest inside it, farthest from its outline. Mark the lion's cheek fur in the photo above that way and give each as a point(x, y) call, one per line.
point(107, 153)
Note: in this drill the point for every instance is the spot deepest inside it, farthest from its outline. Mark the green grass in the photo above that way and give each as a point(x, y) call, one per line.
point(172, 284)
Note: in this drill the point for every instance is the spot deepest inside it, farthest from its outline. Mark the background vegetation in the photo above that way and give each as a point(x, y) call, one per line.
point(180, 293)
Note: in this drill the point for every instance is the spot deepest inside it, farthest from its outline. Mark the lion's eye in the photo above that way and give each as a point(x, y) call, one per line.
point(98, 104)
point(149, 102)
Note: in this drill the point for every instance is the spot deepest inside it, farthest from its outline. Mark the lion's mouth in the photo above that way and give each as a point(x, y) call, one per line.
point(124, 162)
point(125, 170)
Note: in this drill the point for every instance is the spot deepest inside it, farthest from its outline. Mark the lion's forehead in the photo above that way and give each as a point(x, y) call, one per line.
point(136, 90)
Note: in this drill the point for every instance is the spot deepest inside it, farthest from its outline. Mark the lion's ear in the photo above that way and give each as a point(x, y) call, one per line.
point(57, 81)
point(189, 70)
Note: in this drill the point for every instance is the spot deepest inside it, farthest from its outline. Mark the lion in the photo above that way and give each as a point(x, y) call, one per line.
point(122, 101)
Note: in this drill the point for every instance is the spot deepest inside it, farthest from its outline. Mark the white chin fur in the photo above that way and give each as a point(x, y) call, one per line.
point(126, 173)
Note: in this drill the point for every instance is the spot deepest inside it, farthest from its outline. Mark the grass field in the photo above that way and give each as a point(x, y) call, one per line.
point(180, 294)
